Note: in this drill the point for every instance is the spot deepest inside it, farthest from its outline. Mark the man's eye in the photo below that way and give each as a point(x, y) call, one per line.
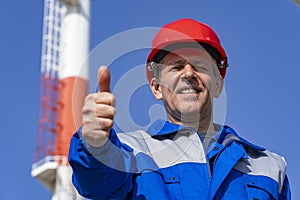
point(176, 67)
point(201, 68)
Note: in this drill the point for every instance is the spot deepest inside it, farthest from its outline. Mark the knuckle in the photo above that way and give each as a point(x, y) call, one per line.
point(110, 123)
point(113, 100)
point(107, 98)
point(105, 111)
point(105, 124)
point(114, 111)
point(100, 110)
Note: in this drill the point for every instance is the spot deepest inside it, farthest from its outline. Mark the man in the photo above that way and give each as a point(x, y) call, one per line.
point(185, 157)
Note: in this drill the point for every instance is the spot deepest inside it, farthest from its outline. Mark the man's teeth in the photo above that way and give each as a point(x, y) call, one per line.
point(186, 91)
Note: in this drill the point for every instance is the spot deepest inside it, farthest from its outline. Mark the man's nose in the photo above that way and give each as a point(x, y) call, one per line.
point(188, 72)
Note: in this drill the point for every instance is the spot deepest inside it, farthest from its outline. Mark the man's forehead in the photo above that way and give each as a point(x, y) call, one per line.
point(186, 54)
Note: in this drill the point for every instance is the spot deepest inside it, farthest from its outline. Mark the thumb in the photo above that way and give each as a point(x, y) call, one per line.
point(104, 79)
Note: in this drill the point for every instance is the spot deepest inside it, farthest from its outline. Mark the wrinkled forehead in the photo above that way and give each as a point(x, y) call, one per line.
point(191, 55)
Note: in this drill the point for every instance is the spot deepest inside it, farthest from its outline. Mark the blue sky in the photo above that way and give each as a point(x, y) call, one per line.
point(261, 39)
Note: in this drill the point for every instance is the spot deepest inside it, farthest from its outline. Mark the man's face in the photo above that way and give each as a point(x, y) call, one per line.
point(188, 82)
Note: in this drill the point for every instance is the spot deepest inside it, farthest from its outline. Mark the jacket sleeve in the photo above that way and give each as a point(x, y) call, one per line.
point(101, 173)
point(286, 190)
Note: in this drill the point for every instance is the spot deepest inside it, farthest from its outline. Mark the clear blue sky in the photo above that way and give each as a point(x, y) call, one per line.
point(262, 40)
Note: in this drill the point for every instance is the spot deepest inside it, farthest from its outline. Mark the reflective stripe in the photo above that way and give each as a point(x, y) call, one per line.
point(185, 146)
point(264, 163)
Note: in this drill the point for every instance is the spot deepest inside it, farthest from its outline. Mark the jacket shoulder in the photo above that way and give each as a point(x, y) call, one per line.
point(264, 163)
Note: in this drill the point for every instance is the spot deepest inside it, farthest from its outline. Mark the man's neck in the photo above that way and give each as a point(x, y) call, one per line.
point(204, 126)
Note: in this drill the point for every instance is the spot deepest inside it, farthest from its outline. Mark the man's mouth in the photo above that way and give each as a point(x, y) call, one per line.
point(189, 90)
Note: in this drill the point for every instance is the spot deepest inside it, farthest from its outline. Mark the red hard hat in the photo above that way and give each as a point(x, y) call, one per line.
point(187, 31)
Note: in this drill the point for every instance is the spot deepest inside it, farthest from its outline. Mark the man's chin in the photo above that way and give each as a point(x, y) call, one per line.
point(191, 117)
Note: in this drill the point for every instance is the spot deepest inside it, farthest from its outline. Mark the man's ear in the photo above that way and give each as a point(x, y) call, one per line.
point(219, 86)
point(156, 88)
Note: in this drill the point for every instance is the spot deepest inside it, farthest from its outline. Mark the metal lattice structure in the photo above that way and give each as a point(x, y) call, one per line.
point(44, 159)
point(63, 70)
point(49, 80)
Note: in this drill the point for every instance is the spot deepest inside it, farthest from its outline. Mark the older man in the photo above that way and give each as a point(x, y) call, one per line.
point(185, 157)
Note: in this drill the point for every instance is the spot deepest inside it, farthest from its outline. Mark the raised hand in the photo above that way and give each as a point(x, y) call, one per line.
point(99, 111)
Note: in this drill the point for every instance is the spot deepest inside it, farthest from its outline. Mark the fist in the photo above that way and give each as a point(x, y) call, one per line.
point(99, 111)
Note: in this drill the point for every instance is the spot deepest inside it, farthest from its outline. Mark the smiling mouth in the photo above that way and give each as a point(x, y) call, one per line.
point(189, 91)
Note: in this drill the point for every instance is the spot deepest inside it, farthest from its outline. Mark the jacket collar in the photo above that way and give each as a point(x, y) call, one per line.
point(227, 134)
point(161, 127)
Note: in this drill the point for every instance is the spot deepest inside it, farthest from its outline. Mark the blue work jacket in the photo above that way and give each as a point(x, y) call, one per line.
point(169, 161)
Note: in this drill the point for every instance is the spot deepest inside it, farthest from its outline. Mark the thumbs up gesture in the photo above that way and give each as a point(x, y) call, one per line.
point(99, 111)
